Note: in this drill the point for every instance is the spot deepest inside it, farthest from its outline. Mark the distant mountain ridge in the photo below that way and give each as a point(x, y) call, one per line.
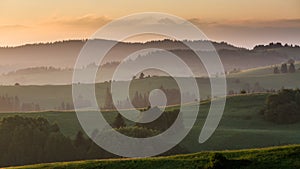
point(64, 53)
point(61, 56)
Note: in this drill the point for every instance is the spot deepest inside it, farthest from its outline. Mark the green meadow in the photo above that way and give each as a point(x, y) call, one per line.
point(274, 157)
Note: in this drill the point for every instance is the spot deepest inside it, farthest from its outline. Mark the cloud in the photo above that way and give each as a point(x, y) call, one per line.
point(248, 33)
point(248, 23)
point(13, 27)
point(166, 21)
point(243, 33)
point(87, 21)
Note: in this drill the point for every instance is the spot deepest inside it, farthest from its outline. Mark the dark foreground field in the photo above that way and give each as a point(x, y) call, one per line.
point(264, 158)
point(242, 127)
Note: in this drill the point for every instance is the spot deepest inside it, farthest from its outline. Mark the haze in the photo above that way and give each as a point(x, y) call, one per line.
point(242, 23)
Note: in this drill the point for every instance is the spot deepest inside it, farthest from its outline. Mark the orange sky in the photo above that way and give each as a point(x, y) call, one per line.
point(243, 23)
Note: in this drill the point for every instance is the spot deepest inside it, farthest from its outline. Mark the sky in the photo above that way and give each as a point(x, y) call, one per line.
point(241, 23)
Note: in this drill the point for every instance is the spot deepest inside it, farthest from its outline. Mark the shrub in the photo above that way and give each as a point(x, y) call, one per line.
point(217, 161)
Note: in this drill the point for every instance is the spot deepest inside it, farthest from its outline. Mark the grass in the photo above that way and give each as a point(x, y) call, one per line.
point(273, 157)
point(260, 71)
point(241, 126)
point(50, 97)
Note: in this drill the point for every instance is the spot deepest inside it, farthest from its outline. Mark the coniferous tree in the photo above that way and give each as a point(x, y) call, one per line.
point(292, 68)
point(142, 75)
point(297, 98)
point(108, 100)
point(276, 70)
point(284, 68)
point(119, 122)
point(63, 107)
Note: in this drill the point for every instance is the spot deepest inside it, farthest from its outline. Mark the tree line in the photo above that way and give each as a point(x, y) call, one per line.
point(26, 140)
point(8, 103)
point(285, 68)
point(162, 123)
point(141, 100)
point(165, 120)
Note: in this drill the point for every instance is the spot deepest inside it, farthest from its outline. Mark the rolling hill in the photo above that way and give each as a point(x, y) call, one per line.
point(241, 126)
point(50, 97)
point(273, 157)
point(260, 71)
point(62, 56)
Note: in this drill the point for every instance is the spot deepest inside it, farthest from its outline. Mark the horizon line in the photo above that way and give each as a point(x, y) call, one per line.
point(136, 42)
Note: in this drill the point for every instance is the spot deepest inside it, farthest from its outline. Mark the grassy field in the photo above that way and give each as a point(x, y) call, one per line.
point(274, 157)
point(265, 77)
point(241, 126)
point(266, 70)
point(50, 97)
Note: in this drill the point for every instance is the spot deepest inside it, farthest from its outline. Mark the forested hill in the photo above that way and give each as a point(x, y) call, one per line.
point(63, 54)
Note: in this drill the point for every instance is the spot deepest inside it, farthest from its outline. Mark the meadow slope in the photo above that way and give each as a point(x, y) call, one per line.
point(273, 157)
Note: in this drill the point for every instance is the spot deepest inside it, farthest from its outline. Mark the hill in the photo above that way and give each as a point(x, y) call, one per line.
point(241, 126)
point(51, 97)
point(260, 71)
point(273, 157)
point(62, 55)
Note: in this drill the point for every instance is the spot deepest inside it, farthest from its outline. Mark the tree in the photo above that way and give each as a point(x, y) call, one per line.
point(68, 106)
point(119, 122)
point(276, 70)
point(79, 140)
point(108, 100)
point(284, 68)
point(63, 107)
point(164, 121)
point(292, 68)
point(243, 91)
point(81, 144)
point(297, 98)
point(217, 161)
point(138, 132)
point(17, 103)
point(291, 61)
point(32, 140)
point(142, 75)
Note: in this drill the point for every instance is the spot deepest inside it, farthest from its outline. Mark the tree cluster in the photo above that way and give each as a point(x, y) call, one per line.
point(8, 103)
point(26, 140)
point(273, 45)
point(283, 107)
point(141, 100)
point(162, 123)
point(248, 88)
point(66, 106)
point(285, 68)
point(144, 130)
